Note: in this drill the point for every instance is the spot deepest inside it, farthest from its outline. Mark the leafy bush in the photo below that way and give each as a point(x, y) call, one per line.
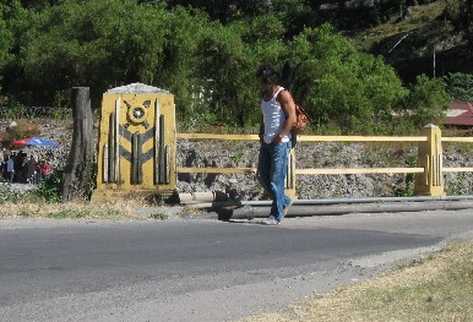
point(11, 109)
point(427, 101)
point(337, 83)
point(225, 63)
point(16, 196)
point(47, 191)
point(7, 195)
point(50, 188)
point(459, 86)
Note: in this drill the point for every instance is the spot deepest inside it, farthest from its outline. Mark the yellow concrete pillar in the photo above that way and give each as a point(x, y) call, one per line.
point(137, 142)
point(430, 183)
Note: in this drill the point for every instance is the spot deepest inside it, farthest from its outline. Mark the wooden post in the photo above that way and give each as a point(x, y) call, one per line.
point(430, 183)
point(78, 172)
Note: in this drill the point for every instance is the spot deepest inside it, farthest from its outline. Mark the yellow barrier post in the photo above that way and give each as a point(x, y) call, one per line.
point(137, 142)
point(430, 183)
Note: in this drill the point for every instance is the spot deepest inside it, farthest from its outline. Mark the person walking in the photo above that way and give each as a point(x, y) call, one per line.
point(10, 167)
point(3, 160)
point(30, 169)
point(278, 117)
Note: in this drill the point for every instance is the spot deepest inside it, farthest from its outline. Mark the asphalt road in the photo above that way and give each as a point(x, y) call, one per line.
point(197, 270)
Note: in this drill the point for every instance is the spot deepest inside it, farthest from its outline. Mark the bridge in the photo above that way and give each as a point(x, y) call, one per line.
point(429, 170)
point(138, 144)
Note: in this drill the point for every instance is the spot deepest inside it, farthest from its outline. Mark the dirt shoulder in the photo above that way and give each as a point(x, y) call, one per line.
point(436, 288)
point(117, 210)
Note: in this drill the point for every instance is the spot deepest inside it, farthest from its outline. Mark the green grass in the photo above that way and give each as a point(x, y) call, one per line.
point(159, 216)
point(79, 213)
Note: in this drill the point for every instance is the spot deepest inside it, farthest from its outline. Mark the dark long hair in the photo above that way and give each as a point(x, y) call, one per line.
point(268, 75)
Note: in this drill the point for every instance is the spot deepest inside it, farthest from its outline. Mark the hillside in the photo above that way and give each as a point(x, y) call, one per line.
point(409, 44)
point(207, 56)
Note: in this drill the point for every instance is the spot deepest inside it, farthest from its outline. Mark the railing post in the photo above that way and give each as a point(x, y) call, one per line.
point(430, 183)
point(291, 175)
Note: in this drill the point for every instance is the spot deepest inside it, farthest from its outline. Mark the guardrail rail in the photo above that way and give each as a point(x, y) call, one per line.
point(429, 169)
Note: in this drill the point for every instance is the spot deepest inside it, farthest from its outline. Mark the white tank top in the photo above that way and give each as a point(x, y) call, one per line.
point(273, 118)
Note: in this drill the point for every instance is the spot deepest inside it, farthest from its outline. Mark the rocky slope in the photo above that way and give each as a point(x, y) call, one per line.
point(324, 155)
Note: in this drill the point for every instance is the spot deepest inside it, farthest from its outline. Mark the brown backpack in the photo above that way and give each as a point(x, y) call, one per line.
point(302, 120)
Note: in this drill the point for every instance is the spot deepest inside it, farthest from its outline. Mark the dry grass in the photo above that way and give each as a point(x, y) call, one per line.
point(72, 210)
point(421, 16)
point(440, 288)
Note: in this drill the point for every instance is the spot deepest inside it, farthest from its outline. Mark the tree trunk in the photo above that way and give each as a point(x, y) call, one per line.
point(79, 169)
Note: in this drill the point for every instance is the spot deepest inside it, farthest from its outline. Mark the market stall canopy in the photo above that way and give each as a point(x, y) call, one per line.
point(37, 142)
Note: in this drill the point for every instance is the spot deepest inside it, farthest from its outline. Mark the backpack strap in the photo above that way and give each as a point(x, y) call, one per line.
point(280, 89)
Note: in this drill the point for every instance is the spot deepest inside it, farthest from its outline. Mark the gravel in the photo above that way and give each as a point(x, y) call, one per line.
point(245, 187)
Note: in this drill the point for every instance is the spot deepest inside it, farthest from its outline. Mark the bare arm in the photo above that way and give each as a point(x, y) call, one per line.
point(289, 108)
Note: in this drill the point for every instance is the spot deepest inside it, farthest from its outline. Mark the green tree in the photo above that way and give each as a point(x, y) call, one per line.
point(427, 101)
point(38, 4)
point(459, 86)
point(228, 57)
point(97, 43)
point(223, 66)
point(339, 84)
point(6, 37)
point(226, 11)
point(178, 72)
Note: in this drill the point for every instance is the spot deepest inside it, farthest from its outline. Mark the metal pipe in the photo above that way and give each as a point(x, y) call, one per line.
point(326, 202)
point(334, 210)
point(187, 198)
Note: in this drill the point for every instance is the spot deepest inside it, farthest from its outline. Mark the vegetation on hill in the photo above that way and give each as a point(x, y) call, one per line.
point(207, 52)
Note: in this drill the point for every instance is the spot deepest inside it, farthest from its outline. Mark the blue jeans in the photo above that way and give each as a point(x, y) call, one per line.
point(272, 172)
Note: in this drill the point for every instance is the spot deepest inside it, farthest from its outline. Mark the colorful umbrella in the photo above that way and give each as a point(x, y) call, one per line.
point(37, 142)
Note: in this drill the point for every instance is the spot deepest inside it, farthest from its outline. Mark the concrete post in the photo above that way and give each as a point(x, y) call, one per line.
point(137, 143)
point(430, 183)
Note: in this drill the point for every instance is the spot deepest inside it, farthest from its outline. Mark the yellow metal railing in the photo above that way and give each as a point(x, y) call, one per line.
point(429, 169)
